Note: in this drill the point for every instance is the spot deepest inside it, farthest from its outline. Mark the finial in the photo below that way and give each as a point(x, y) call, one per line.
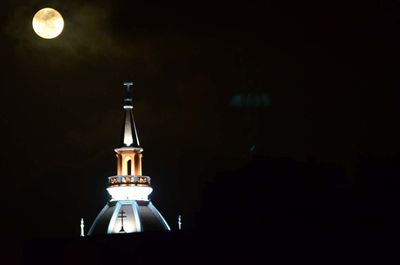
point(179, 222)
point(128, 98)
point(128, 86)
point(82, 228)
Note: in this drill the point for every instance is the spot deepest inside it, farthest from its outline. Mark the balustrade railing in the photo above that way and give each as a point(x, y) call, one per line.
point(128, 180)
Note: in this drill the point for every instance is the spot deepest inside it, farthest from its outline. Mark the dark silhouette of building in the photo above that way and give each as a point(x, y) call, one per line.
point(271, 210)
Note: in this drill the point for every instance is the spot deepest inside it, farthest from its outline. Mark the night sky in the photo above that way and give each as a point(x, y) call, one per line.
point(215, 83)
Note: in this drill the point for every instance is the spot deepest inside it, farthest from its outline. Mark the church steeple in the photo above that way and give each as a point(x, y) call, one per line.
point(129, 209)
point(129, 154)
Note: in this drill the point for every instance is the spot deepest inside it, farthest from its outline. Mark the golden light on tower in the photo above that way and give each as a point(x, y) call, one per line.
point(48, 23)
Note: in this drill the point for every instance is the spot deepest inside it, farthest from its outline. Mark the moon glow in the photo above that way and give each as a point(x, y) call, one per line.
point(48, 23)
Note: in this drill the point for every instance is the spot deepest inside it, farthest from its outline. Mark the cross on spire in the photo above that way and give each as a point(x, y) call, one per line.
point(128, 86)
point(122, 216)
point(128, 104)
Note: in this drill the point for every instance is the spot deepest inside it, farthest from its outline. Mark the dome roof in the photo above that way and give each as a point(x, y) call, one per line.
point(128, 216)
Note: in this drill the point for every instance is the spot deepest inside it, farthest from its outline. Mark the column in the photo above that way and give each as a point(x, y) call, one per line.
point(140, 164)
point(119, 165)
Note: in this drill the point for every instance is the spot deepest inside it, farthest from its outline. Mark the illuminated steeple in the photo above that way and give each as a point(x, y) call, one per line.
point(129, 189)
point(129, 154)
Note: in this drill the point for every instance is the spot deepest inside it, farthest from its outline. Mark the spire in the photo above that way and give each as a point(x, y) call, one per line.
point(129, 133)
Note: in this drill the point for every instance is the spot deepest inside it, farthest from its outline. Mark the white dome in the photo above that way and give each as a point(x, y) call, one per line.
point(128, 216)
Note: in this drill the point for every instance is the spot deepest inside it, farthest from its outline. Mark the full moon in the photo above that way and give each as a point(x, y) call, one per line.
point(48, 23)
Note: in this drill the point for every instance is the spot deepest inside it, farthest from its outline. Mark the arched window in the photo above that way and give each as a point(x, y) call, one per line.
point(129, 167)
